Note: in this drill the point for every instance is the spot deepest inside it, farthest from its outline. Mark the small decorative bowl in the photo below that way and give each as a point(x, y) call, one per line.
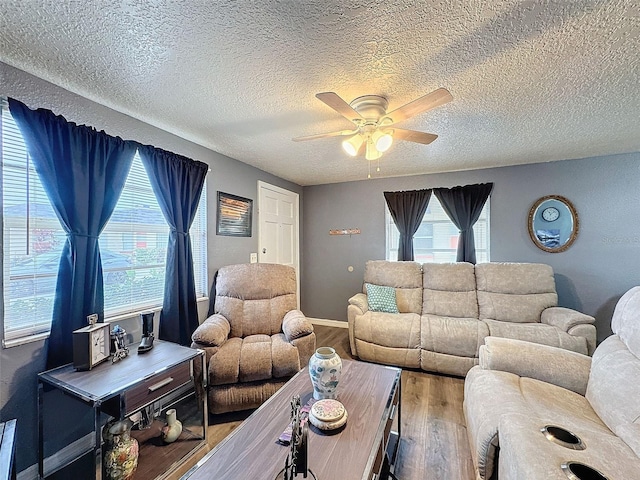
point(328, 414)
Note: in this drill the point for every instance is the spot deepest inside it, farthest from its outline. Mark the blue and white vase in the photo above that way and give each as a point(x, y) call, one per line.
point(325, 368)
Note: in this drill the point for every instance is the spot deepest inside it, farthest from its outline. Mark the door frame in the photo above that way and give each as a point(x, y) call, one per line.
point(296, 196)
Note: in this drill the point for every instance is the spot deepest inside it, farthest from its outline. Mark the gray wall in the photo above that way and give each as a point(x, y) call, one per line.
point(19, 365)
point(590, 276)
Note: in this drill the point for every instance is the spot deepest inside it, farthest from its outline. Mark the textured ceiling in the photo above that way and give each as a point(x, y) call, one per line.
point(532, 81)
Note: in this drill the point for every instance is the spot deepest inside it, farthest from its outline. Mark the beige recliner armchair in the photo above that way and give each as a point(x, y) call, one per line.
point(256, 339)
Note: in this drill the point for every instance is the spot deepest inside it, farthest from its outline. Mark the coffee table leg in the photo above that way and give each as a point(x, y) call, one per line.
point(397, 433)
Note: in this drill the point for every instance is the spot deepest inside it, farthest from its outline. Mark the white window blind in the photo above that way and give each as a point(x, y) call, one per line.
point(133, 244)
point(32, 239)
point(437, 237)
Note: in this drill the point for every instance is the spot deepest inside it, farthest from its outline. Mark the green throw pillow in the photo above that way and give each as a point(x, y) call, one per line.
point(381, 299)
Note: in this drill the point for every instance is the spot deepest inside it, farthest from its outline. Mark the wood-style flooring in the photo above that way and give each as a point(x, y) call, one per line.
point(434, 441)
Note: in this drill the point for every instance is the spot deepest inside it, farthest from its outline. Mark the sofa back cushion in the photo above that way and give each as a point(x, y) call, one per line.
point(449, 290)
point(515, 292)
point(626, 320)
point(254, 297)
point(613, 389)
point(405, 277)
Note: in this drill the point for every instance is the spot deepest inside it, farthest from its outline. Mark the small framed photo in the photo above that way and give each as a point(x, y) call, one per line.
point(234, 215)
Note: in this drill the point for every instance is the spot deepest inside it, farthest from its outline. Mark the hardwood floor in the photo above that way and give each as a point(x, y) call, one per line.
point(434, 441)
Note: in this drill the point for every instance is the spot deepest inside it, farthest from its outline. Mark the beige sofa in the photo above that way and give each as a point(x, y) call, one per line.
point(256, 339)
point(447, 310)
point(520, 387)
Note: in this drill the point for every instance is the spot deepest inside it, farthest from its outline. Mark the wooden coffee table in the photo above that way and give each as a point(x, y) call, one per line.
point(371, 395)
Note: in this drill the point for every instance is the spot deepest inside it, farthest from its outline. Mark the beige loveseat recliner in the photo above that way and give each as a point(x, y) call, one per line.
point(446, 311)
point(256, 339)
point(520, 388)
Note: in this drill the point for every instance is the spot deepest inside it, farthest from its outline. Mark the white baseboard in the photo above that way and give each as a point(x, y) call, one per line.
point(59, 458)
point(328, 323)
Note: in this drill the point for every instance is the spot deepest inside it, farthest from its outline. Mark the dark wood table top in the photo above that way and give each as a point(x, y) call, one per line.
point(251, 451)
point(108, 378)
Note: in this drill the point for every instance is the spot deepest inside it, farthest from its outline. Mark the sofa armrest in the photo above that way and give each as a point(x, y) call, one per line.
point(295, 325)
point(565, 318)
point(360, 300)
point(573, 322)
point(557, 366)
point(213, 332)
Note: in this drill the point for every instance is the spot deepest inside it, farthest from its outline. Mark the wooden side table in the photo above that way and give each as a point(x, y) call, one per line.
point(154, 381)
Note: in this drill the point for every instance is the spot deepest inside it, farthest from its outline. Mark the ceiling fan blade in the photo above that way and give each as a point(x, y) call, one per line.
point(414, 136)
point(334, 101)
point(323, 135)
point(419, 105)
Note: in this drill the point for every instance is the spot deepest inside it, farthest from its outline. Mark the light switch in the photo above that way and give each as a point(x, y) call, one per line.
point(254, 258)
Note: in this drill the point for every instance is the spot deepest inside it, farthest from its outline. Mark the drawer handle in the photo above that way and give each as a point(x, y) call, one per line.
point(160, 384)
point(393, 412)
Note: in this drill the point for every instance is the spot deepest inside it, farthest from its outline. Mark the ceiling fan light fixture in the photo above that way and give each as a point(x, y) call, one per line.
point(371, 152)
point(352, 145)
point(382, 140)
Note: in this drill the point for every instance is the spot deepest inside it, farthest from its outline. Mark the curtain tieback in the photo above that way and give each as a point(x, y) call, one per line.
point(173, 230)
point(83, 235)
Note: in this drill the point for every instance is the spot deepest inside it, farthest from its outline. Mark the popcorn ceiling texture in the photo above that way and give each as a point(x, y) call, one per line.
point(531, 81)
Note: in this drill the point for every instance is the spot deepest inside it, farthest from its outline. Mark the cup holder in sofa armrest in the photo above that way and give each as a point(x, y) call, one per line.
point(564, 437)
point(580, 471)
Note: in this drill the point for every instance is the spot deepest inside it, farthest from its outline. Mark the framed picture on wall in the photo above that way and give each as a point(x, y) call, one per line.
point(234, 215)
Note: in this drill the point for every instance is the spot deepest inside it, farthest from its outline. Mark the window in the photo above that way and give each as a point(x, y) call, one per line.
point(133, 244)
point(133, 247)
point(437, 237)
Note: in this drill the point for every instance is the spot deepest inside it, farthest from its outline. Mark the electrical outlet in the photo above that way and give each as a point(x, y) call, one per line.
point(93, 318)
point(254, 258)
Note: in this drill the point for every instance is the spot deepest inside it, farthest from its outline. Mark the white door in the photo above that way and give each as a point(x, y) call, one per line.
point(278, 227)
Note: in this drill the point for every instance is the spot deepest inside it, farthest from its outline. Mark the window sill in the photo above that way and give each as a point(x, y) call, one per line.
point(16, 342)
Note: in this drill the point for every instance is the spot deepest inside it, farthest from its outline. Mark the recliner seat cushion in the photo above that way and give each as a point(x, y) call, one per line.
point(402, 357)
point(537, 333)
point(253, 358)
point(452, 336)
point(399, 330)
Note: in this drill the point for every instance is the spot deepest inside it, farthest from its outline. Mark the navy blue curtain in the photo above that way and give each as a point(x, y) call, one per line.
point(83, 172)
point(463, 205)
point(407, 210)
point(177, 182)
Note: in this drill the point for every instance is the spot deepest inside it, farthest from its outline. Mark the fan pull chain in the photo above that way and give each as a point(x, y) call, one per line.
point(369, 166)
point(378, 169)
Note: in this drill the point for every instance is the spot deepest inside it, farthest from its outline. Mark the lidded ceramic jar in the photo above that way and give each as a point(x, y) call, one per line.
point(325, 369)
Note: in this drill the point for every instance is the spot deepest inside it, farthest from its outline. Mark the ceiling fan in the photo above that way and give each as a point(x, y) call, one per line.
point(373, 130)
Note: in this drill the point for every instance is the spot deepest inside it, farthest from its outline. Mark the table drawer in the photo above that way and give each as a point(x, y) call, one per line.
point(155, 387)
